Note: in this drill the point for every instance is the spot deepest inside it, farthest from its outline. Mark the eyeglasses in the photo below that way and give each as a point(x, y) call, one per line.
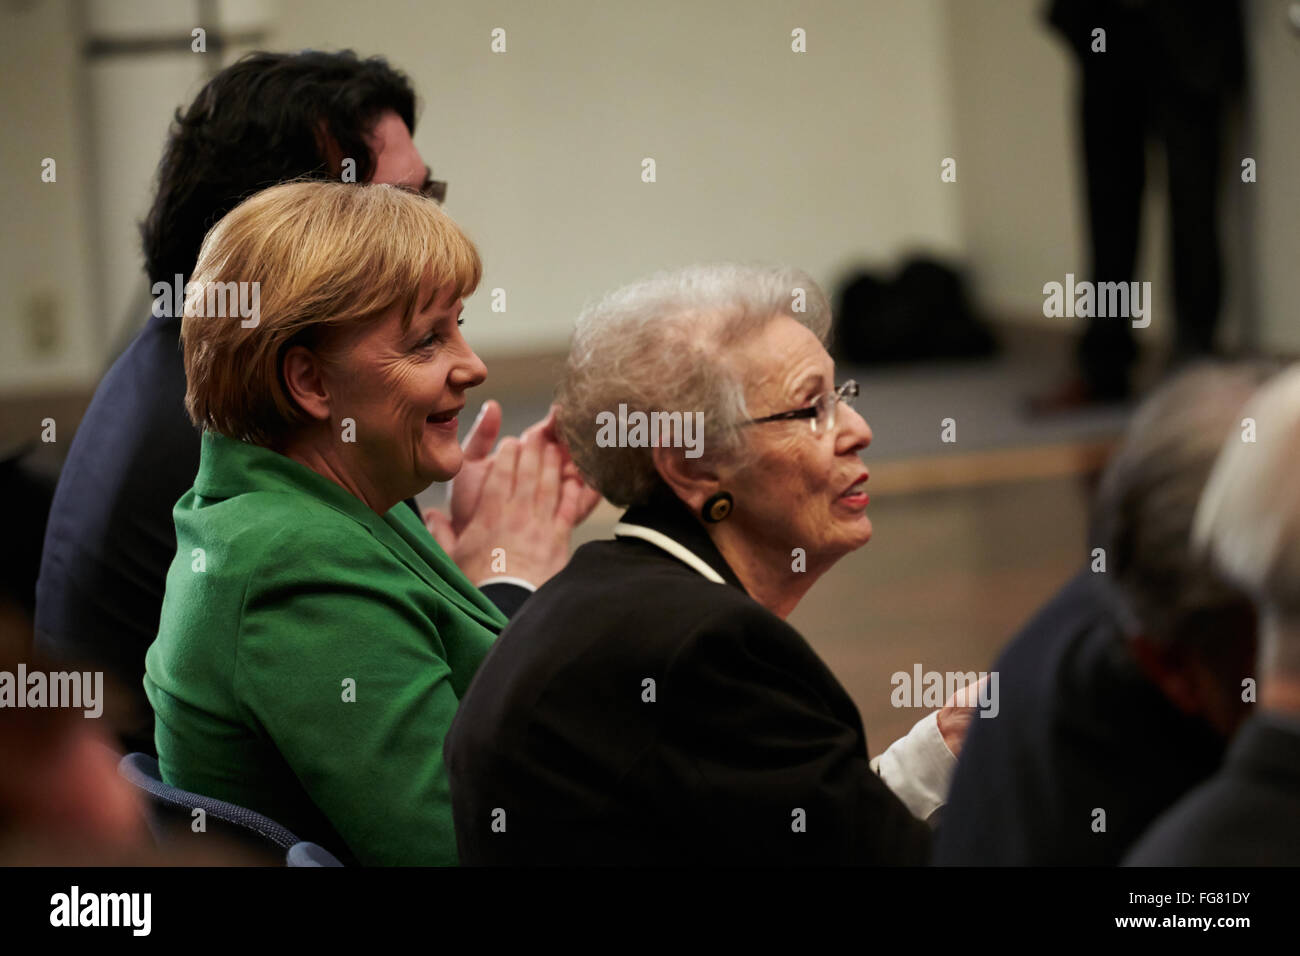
point(435, 189)
point(821, 411)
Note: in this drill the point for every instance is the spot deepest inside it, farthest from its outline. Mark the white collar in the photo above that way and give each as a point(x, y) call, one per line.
point(662, 541)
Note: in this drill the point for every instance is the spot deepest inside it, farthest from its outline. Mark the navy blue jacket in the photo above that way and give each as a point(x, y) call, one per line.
point(1078, 729)
point(110, 538)
point(1248, 814)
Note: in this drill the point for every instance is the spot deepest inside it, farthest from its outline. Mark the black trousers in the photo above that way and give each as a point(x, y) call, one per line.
point(1127, 97)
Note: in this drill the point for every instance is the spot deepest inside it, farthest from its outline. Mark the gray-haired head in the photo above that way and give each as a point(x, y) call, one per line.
point(1248, 519)
point(1147, 502)
point(665, 343)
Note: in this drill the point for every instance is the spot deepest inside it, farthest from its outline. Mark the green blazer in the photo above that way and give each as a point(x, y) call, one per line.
point(310, 657)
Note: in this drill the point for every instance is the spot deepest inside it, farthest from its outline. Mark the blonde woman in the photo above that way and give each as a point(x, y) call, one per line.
point(315, 640)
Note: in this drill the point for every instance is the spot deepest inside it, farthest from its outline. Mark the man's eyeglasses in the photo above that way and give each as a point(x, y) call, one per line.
point(435, 189)
point(821, 413)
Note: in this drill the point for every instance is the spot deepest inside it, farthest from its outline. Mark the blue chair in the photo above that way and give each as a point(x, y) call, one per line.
point(173, 811)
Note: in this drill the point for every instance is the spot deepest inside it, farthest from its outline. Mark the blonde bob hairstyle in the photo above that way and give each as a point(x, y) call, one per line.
point(328, 258)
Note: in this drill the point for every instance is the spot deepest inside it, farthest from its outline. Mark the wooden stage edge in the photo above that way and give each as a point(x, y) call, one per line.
point(995, 466)
point(907, 476)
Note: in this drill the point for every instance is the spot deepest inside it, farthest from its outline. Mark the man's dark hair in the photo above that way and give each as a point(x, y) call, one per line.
point(259, 122)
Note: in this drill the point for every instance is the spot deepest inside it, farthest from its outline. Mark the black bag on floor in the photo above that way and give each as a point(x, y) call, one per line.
point(921, 313)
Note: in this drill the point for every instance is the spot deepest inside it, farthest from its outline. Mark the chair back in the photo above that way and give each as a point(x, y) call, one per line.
point(172, 813)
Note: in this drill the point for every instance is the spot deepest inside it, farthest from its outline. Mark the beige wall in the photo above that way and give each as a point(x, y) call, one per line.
point(1020, 179)
point(1272, 243)
point(70, 260)
point(45, 263)
point(815, 159)
point(823, 159)
point(1016, 170)
point(818, 159)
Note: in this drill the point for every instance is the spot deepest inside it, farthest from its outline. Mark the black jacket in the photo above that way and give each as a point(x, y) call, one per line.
point(1191, 45)
point(1248, 814)
point(637, 712)
point(1078, 729)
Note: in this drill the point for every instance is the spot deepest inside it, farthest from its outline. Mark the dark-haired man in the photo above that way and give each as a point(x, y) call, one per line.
point(268, 118)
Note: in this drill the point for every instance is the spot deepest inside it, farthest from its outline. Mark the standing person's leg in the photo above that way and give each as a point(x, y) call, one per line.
point(1114, 150)
point(1191, 123)
point(1114, 119)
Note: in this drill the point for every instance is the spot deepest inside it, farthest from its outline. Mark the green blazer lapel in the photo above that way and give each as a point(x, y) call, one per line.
point(405, 535)
point(228, 467)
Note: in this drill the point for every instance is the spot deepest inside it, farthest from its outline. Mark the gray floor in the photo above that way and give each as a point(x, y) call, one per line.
point(905, 408)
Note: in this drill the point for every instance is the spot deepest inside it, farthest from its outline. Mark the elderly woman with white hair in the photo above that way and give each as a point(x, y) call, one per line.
point(1248, 522)
point(650, 704)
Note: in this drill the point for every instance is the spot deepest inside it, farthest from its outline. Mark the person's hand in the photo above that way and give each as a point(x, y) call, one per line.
point(577, 499)
point(537, 468)
point(466, 489)
point(439, 525)
point(524, 515)
point(956, 715)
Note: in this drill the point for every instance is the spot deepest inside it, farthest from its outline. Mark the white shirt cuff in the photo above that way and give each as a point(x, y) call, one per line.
point(506, 579)
point(918, 767)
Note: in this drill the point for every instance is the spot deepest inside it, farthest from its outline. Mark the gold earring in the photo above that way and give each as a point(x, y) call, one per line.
point(717, 507)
